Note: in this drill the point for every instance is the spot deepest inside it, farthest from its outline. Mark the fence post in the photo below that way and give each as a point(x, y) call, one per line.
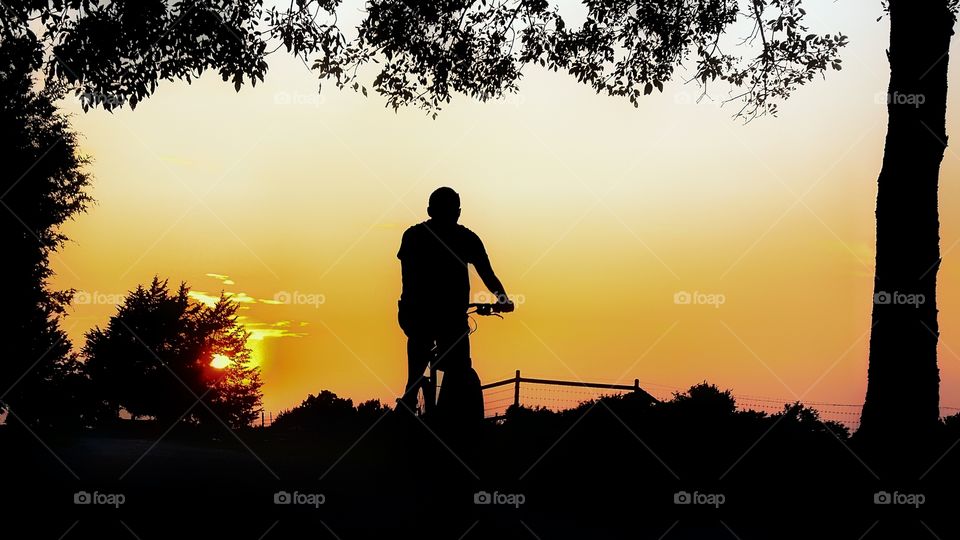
point(516, 390)
point(636, 385)
point(261, 417)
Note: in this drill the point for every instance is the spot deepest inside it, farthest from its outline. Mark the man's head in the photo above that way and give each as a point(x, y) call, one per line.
point(444, 205)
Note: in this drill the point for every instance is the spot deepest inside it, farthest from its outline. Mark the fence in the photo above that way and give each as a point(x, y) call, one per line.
point(496, 408)
point(265, 420)
point(559, 395)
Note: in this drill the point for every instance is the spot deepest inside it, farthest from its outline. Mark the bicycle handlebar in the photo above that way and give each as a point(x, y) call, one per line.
point(485, 309)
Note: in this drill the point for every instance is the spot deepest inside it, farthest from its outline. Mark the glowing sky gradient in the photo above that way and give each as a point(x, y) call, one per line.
point(594, 212)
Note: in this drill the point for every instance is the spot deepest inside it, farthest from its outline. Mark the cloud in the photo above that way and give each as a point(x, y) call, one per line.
point(204, 298)
point(223, 278)
point(211, 299)
point(242, 298)
point(261, 330)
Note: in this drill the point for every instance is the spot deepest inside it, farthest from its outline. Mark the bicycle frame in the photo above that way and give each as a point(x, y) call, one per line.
point(430, 383)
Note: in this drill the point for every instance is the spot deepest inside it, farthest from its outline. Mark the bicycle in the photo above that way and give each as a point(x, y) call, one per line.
point(427, 394)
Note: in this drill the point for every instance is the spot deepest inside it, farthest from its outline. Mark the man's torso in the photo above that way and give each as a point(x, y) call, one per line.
point(434, 260)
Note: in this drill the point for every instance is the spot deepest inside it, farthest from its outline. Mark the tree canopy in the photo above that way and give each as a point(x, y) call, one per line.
point(154, 360)
point(326, 411)
point(428, 50)
point(44, 184)
point(115, 53)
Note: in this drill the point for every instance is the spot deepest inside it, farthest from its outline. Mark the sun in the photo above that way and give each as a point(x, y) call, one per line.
point(220, 361)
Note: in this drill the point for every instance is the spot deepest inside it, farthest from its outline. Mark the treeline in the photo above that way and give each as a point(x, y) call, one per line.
point(153, 360)
point(326, 411)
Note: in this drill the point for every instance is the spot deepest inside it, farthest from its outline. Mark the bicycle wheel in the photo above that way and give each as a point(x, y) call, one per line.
point(427, 394)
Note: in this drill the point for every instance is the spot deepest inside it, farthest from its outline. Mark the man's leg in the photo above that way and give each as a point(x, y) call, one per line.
point(461, 399)
point(418, 358)
point(453, 344)
point(419, 354)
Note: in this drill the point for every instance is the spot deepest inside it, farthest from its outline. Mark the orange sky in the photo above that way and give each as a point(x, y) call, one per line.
point(594, 212)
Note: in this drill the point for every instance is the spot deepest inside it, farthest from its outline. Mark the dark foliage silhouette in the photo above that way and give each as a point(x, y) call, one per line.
point(115, 53)
point(612, 467)
point(43, 185)
point(153, 360)
point(427, 51)
point(325, 411)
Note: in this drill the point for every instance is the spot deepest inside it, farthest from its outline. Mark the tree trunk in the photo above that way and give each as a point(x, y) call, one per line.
point(903, 388)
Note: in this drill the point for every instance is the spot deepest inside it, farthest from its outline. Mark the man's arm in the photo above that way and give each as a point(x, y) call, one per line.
point(492, 282)
point(481, 262)
point(406, 266)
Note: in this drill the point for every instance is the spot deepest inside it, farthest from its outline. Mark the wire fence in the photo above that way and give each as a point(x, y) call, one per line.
point(551, 394)
point(559, 395)
point(266, 419)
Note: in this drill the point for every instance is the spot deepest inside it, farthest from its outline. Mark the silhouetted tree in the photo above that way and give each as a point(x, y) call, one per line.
point(371, 410)
point(153, 360)
point(326, 411)
point(116, 53)
point(427, 50)
point(702, 400)
point(235, 395)
point(42, 186)
point(903, 388)
point(798, 417)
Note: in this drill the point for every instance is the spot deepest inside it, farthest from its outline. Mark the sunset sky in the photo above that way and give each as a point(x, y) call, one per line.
point(594, 213)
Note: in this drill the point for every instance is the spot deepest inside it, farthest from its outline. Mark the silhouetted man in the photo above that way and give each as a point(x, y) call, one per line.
point(432, 310)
